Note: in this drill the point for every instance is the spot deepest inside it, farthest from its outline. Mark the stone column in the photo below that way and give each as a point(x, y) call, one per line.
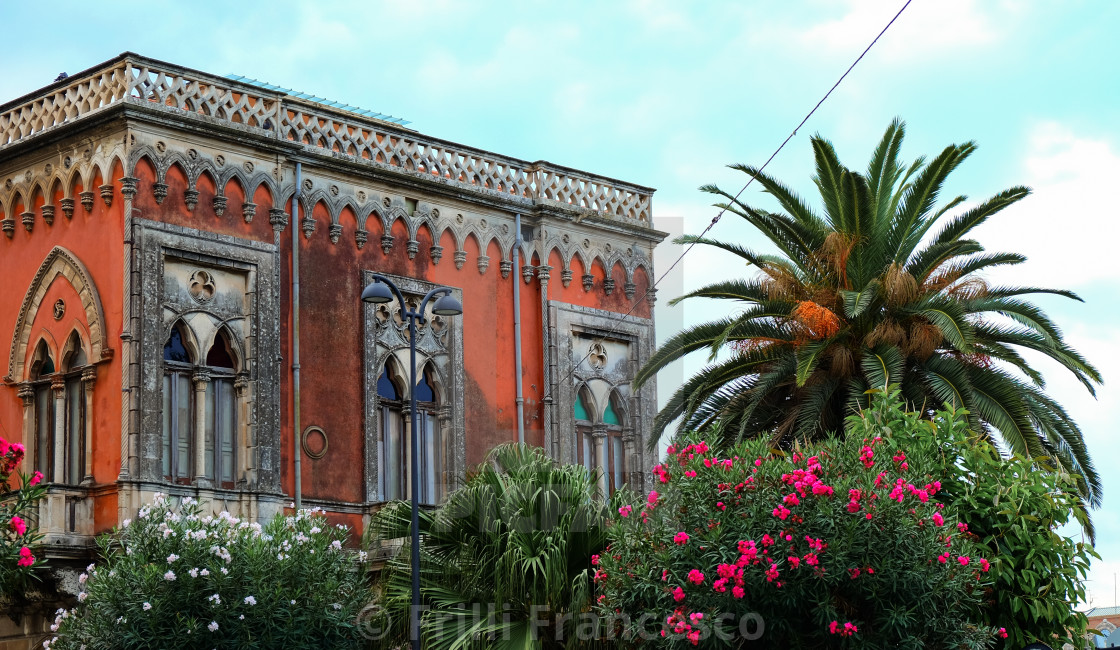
point(599, 433)
point(201, 380)
point(89, 378)
point(630, 452)
point(58, 392)
point(447, 457)
point(244, 448)
point(27, 395)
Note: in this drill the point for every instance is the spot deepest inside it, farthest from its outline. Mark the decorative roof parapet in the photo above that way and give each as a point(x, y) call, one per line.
point(136, 80)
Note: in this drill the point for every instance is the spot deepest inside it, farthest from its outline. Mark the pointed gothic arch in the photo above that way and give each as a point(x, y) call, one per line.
point(59, 261)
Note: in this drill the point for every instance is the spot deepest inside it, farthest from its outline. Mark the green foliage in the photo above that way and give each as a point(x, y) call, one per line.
point(844, 531)
point(502, 561)
point(1016, 511)
point(177, 579)
point(18, 534)
point(880, 287)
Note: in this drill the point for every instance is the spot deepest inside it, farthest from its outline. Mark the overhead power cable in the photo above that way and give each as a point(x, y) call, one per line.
point(720, 214)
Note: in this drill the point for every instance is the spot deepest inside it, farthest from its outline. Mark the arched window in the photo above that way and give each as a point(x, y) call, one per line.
point(221, 413)
point(583, 410)
point(396, 443)
point(615, 451)
point(178, 423)
point(599, 444)
point(42, 369)
point(393, 466)
point(74, 414)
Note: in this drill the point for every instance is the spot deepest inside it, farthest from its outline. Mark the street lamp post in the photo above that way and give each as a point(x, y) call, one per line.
point(382, 290)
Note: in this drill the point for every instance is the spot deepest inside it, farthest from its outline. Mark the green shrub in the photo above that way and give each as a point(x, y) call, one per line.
point(176, 579)
point(842, 544)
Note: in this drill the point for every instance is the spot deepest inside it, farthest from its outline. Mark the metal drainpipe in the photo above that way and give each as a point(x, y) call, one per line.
point(295, 338)
point(550, 443)
point(517, 329)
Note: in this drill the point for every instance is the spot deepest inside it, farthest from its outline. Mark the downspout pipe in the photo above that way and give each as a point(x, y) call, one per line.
point(296, 452)
point(517, 329)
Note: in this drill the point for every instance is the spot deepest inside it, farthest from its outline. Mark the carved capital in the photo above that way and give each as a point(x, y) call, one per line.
point(58, 384)
point(307, 225)
point(412, 247)
point(9, 226)
point(87, 200)
point(599, 430)
point(89, 377)
point(334, 232)
point(566, 277)
point(506, 268)
point(27, 394)
point(608, 285)
point(360, 238)
point(67, 206)
point(190, 197)
point(629, 288)
point(107, 194)
point(248, 211)
point(527, 273)
point(159, 190)
point(483, 263)
point(201, 377)
point(28, 219)
point(651, 295)
point(278, 218)
point(48, 214)
point(544, 273)
point(437, 254)
point(241, 384)
point(128, 186)
point(219, 204)
point(588, 281)
point(386, 243)
point(460, 259)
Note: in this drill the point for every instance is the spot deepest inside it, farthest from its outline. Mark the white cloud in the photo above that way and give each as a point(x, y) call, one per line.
point(1069, 226)
point(924, 27)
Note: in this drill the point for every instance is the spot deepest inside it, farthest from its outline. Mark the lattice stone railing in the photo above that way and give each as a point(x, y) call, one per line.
point(141, 81)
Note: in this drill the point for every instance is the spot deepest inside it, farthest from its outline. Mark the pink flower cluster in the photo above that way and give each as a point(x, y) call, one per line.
point(847, 629)
point(680, 624)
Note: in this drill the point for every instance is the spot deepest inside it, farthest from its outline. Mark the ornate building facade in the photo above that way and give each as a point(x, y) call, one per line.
point(156, 338)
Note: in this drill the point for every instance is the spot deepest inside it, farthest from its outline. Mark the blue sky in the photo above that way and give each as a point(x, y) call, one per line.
point(667, 94)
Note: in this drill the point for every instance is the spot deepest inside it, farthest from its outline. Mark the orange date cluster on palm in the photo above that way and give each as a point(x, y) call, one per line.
point(814, 322)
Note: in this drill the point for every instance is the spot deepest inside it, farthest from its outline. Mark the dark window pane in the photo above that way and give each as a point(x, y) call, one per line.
point(424, 392)
point(174, 350)
point(385, 386)
point(609, 416)
point(219, 355)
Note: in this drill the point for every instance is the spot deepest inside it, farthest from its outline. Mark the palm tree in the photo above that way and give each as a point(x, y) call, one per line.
point(866, 293)
point(503, 561)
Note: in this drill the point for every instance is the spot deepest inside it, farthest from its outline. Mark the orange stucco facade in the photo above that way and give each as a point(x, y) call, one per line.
point(113, 219)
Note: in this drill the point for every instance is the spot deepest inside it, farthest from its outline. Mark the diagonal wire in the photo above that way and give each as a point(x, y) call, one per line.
point(720, 214)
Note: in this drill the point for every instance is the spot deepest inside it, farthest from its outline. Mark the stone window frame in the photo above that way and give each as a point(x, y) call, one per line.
point(259, 375)
point(449, 370)
point(638, 333)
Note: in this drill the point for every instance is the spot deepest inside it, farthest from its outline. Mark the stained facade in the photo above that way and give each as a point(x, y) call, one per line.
point(151, 218)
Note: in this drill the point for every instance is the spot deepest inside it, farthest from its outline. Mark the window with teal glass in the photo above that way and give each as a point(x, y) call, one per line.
point(609, 416)
point(580, 409)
